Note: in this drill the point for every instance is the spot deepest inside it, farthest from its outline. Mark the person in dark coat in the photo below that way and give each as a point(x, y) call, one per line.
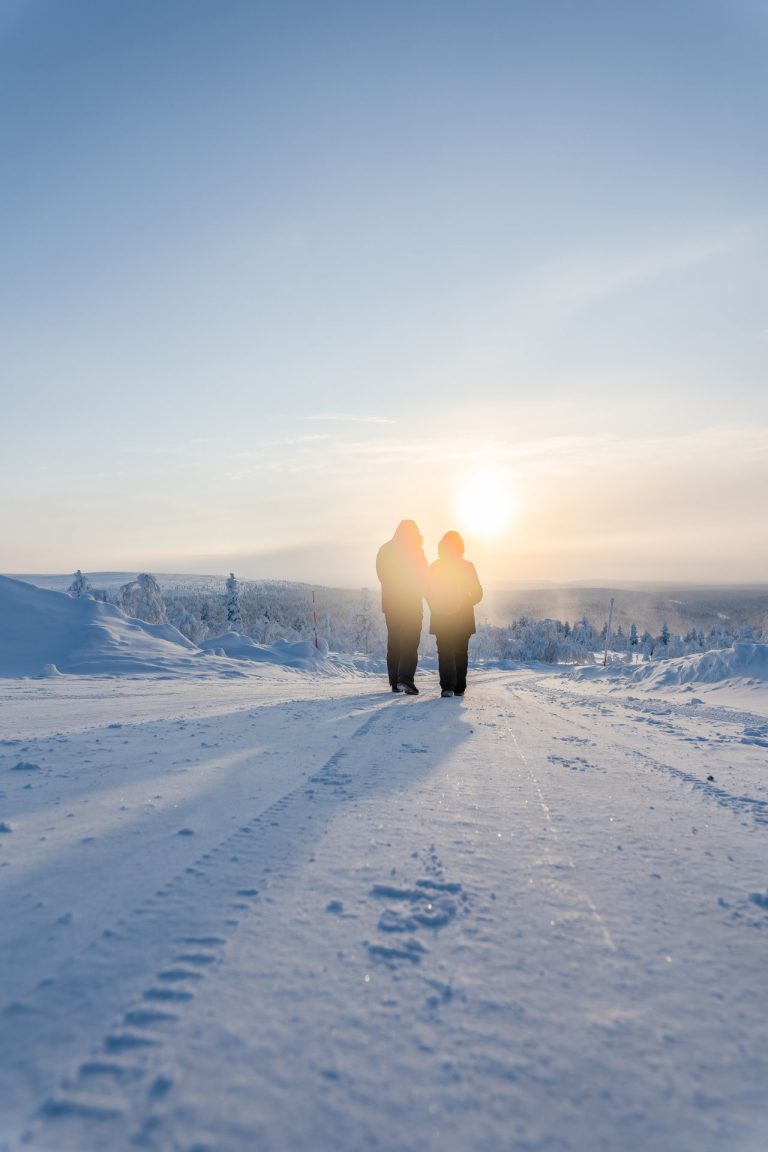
point(453, 589)
point(402, 569)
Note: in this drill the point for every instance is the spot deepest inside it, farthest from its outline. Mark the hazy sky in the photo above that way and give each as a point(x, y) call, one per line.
point(276, 276)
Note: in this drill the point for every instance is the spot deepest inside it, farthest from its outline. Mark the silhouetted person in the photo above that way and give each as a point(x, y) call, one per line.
point(402, 569)
point(453, 589)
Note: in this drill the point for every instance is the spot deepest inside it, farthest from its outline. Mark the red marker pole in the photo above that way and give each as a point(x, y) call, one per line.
point(314, 617)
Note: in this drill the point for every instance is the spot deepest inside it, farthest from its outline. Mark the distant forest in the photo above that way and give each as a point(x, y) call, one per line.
point(554, 625)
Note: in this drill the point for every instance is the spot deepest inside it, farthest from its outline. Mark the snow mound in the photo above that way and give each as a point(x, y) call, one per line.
point(44, 633)
point(741, 662)
point(300, 654)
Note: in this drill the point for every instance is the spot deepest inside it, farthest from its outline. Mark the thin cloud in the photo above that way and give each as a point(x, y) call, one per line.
point(558, 290)
point(350, 418)
point(157, 450)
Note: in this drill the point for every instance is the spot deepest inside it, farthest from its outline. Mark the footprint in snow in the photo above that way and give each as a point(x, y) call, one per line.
point(433, 903)
point(148, 1017)
point(757, 735)
point(80, 1108)
point(430, 903)
point(411, 952)
point(126, 1042)
point(177, 975)
point(575, 763)
point(97, 1068)
point(167, 995)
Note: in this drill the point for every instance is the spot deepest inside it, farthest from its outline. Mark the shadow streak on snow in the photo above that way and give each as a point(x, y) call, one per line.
point(247, 748)
point(181, 739)
point(80, 960)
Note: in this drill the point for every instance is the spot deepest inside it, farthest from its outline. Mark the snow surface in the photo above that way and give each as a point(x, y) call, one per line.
point(47, 633)
point(290, 654)
point(248, 905)
point(741, 662)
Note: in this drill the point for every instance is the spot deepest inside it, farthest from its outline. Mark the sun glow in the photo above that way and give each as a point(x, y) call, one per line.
point(485, 504)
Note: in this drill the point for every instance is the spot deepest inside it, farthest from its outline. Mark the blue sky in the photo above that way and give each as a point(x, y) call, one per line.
point(275, 277)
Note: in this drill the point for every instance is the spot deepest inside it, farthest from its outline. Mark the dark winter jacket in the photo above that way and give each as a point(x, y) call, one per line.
point(453, 589)
point(402, 569)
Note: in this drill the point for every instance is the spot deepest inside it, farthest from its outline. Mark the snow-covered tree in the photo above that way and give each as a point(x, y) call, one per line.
point(273, 610)
point(142, 599)
point(190, 625)
point(234, 615)
point(79, 585)
point(366, 623)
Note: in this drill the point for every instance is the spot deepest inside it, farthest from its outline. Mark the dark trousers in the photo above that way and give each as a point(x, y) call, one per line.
point(452, 660)
point(403, 635)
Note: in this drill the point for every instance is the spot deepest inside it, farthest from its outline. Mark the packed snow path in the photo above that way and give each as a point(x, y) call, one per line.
point(284, 913)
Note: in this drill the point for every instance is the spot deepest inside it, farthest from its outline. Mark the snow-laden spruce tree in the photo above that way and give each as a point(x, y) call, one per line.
point(234, 617)
point(79, 585)
point(142, 599)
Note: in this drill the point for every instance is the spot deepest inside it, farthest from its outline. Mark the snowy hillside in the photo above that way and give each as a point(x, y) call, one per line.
point(47, 633)
point(260, 907)
point(39, 628)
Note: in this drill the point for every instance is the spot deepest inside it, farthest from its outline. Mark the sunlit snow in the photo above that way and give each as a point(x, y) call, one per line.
point(252, 900)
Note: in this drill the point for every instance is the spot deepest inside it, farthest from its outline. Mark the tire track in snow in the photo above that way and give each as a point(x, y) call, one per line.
point(739, 805)
point(509, 1054)
point(708, 789)
point(165, 949)
point(581, 895)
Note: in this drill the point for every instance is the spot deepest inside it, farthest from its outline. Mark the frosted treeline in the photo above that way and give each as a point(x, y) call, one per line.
point(348, 621)
point(351, 621)
point(558, 642)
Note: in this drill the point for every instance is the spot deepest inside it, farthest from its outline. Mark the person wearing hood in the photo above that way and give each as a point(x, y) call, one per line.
point(401, 566)
point(453, 589)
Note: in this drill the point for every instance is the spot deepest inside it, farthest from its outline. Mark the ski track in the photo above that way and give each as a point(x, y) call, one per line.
point(514, 1006)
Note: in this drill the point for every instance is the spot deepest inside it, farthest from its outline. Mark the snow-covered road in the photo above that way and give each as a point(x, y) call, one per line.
point(283, 912)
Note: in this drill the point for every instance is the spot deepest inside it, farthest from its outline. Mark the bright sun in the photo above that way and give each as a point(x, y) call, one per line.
point(485, 504)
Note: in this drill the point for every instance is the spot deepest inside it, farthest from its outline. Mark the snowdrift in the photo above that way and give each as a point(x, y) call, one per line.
point(42, 632)
point(741, 662)
point(744, 663)
point(300, 654)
